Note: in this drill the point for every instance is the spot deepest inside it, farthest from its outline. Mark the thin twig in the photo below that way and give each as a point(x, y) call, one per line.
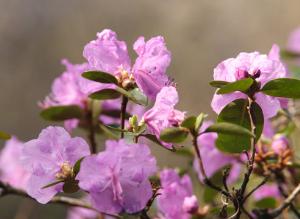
point(92, 133)
point(8, 190)
point(286, 203)
point(123, 113)
point(256, 187)
point(203, 173)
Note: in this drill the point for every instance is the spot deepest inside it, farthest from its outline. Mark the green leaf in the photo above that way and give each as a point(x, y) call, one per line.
point(189, 123)
point(105, 94)
point(174, 135)
point(199, 121)
point(76, 167)
point(218, 84)
point(236, 113)
point(268, 202)
point(101, 77)
point(186, 152)
point(61, 113)
point(4, 136)
point(53, 184)
point(229, 128)
point(114, 113)
point(156, 141)
point(286, 54)
point(134, 95)
point(283, 87)
point(241, 85)
point(71, 186)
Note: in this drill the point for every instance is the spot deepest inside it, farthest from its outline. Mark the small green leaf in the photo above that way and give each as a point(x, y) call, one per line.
point(61, 113)
point(199, 121)
point(241, 85)
point(218, 84)
point(236, 113)
point(4, 136)
point(286, 54)
point(101, 77)
point(156, 141)
point(174, 135)
point(105, 94)
point(53, 184)
point(229, 128)
point(134, 95)
point(189, 123)
point(76, 167)
point(71, 186)
point(186, 152)
point(283, 87)
point(268, 202)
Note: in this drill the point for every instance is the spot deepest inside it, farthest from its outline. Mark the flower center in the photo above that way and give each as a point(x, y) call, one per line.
point(125, 79)
point(66, 171)
point(241, 74)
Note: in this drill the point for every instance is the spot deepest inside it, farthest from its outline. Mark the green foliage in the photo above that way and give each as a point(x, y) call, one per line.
point(218, 84)
point(61, 113)
point(174, 134)
point(105, 94)
point(283, 87)
point(241, 85)
point(101, 77)
point(268, 202)
point(236, 113)
point(134, 95)
point(229, 128)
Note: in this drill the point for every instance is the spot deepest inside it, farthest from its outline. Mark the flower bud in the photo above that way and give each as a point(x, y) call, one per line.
point(190, 204)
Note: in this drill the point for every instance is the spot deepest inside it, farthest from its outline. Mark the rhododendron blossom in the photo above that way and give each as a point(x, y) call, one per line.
point(262, 68)
point(117, 178)
point(12, 170)
point(267, 191)
point(163, 115)
point(50, 158)
point(177, 200)
point(210, 153)
point(109, 54)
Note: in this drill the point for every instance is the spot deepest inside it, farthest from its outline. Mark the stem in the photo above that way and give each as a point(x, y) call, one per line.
point(256, 187)
point(91, 134)
point(203, 173)
point(8, 190)
point(287, 202)
point(123, 113)
point(241, 191)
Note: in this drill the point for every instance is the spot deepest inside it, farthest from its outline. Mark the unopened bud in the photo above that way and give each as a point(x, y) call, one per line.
point(190, 204)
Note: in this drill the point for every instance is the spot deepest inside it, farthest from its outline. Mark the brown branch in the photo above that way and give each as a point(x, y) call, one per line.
point(287, 203)
point(8, 190)
point(256, 187)
point(123, 113)
point(203, 173)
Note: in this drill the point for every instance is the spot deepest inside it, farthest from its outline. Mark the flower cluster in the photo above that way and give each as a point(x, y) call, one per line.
point(134, 106)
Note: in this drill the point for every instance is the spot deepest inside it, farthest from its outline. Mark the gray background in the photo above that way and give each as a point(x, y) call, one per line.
point(36, 34)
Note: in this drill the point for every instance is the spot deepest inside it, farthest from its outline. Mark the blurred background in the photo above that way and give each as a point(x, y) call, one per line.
point(35, 35)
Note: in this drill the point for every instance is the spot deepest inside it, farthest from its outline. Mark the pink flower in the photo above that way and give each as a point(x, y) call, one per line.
point(280, 144)
point(265, 191)
point(117, 178)
point(261, 67)
point(294, 41)
point(109, 54)
point(70, 88)
point(210, 153)
point(176, 200)
point(12, 171)
point(163, 115)
point(50, 158)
